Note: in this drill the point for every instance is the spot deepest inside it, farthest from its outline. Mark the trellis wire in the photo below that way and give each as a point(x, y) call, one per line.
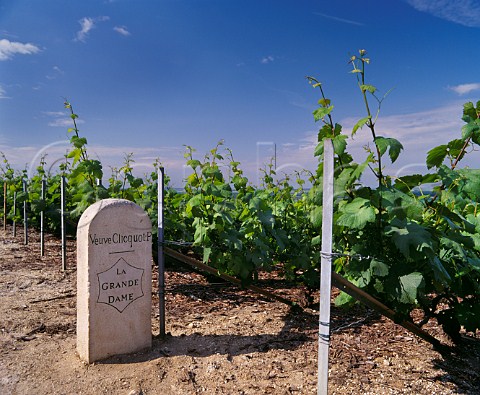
point(343, 255)
point(179, 243)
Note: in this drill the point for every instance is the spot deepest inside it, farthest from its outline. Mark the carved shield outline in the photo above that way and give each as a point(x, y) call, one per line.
point(138, 292)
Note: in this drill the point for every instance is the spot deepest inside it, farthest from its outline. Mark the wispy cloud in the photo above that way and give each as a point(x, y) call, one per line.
point(10, 48)
point(110, 157)
point(3, 93)
point(60, 119)
point(463, 89)
point(56, 72)
point(463, 12)
point(87, 24)
point(418, 132)
point(343, 20)
point(38, 86)
point(64, 122)
point(267, 59)
point(122, 30)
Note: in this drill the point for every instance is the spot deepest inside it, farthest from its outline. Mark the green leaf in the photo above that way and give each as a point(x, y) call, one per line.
point(193, 163)
point(360, 124)
point(393, 145)
point(379, 269)
point(436, 156)
point(324, 102)
point(440, 273)
point(78, 142)
point(469, 110)
point(344, 300)
point(471, 187)
point(324, 132)
point(206, 254)
point(200, 233)
point(339, 144)
point(316, 217)
point(411, 239)
point(406, 183)
point(411, 285)
point(193, 205)
point(469, 129)
point(322, 112)
point(356, 214)
point(319, 149)
point(369, 88)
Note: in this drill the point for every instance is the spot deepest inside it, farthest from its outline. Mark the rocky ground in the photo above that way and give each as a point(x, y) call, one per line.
point(221, 340)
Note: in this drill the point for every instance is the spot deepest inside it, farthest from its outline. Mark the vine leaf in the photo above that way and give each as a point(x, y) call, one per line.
point(360, 124)
point(368, 88)
point(316, 216)
point(379, 269)
point(322, 112)
point(440, 273)
point(436, 156)
point(393, 145)
point(470, 129)
point(411, 239)
point(356, 214)
point(339, 144)
point(411, 284)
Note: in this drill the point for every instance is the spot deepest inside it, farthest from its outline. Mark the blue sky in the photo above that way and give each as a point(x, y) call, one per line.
point(151, 76)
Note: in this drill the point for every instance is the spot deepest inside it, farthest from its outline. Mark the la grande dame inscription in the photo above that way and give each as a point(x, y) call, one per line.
point(120, 285)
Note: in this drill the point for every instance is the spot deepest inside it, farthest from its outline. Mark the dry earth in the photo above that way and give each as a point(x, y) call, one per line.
point(221, 340)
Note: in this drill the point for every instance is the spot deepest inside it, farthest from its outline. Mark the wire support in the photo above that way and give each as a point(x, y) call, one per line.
point(360, 257)
point(324, 254)
point(179, 243)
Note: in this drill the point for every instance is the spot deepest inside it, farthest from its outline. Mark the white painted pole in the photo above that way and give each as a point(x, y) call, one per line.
point(160, 255)
point(4, 205)
point(42, 219)
point(62, 223)
point(25, 215)
point(14, 214)
point(326, 268)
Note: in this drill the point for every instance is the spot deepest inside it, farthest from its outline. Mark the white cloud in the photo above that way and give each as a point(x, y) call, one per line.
point(267, 59)
point(463, 89)
point(87, 24)
point(418, 133)
point(348, 21)
point(38, 86)
point(463, 12)
point(10, 48)
point(56, 72)
point(64, 122)
point(122, 30)
point(110, 157)
point(60, 119)
point(3, 93)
